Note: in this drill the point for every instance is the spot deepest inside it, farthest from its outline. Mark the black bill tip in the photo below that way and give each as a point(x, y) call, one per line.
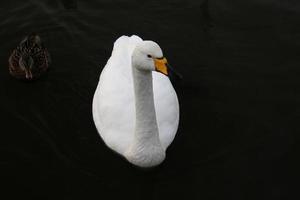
point(173, 74)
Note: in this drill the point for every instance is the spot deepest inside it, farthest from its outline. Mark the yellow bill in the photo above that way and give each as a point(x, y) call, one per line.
point(161, 65)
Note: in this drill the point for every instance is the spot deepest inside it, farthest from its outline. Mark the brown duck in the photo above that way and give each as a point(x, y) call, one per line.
point(30, 59)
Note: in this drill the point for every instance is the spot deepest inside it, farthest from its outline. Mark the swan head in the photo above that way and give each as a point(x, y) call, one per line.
point(148, 56)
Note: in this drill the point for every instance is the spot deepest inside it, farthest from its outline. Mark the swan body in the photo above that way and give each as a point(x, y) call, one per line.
point(135, 108)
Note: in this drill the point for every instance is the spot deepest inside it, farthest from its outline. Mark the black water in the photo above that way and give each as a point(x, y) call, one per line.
point(239, 100)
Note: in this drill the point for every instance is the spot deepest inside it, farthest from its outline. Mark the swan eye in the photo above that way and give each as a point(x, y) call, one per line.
point(149, 56)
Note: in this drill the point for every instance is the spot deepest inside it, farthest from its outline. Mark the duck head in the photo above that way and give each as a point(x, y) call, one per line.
point(26, 63)
point(28, 48)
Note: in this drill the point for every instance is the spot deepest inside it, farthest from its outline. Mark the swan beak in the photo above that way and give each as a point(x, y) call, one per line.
point(161, 65)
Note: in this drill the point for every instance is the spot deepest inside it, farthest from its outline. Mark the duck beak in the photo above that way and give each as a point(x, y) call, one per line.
point(28, 74)
point(161, 65)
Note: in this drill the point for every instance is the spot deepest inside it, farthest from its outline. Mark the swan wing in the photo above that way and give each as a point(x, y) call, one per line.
point(113, 103)
point(166, 108)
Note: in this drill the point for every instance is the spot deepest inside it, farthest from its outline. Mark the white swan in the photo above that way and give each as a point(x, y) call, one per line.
point(135, 109)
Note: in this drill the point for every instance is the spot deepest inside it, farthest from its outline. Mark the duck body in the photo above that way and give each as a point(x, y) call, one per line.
point(30, 59)
point(136, 111)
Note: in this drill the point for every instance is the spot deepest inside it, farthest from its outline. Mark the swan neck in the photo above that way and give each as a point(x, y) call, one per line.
point(146, 125)
point(146, 149)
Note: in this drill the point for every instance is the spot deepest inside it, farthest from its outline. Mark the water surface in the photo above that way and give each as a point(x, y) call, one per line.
point(239, 99)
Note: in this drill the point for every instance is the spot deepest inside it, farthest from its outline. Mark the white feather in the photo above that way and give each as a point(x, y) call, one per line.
point(114, 100)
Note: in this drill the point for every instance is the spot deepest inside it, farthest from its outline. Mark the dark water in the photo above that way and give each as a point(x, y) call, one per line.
point(239, 100)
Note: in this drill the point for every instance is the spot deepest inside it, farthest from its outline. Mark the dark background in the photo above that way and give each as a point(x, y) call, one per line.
point(239, 100)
